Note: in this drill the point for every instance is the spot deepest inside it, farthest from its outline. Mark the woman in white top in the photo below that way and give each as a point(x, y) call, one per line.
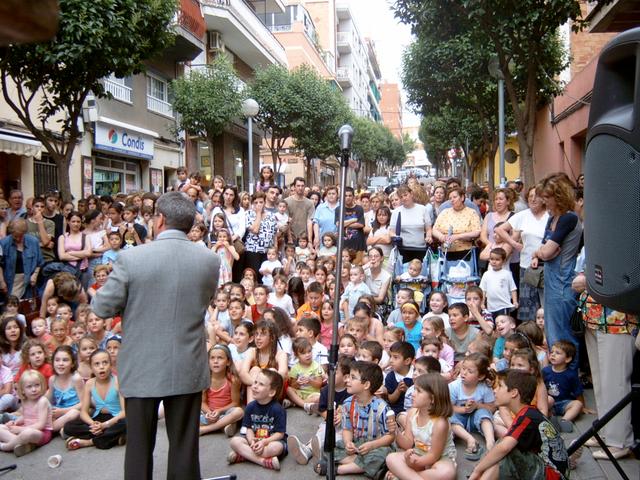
point(96, 235)
point(415, 225)
point(377, 278)
point(524, 232)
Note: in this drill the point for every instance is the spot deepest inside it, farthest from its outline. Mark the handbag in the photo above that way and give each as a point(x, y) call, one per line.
point(577, 320)
point(534, 277)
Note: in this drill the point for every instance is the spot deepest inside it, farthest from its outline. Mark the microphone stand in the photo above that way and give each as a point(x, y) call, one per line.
point(345, 133)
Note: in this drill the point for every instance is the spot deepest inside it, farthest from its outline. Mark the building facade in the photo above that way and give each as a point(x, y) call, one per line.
point(391, 107)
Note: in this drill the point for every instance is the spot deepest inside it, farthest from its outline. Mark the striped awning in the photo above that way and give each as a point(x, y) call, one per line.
point(17, 143)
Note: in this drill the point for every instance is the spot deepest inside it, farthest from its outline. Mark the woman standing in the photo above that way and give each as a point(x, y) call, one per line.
point(503, 207)
point(559, 250)
point(414, 223)
point(261, 233)
point(524, 232)
point(74, 247)
point(458, 226)
point(324, 218)
point(21, 260)
point(377, 278)
point(439, 194)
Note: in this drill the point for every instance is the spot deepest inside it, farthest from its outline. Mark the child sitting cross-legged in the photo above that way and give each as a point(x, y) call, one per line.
point(563, 384)
point(473, 405)
point(428, 443)
point(532, 448)
point(366, 435)
point(220, 407)
point(370, 351)
point(421, 366)
point(264, 425)
point(305, 377)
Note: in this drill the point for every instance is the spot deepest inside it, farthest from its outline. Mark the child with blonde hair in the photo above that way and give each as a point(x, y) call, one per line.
point(34, 428)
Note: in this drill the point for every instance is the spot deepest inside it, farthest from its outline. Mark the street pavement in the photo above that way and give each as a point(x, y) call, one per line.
point(90, 463)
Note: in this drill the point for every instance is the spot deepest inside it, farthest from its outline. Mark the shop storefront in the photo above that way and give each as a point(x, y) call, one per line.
point(119, 152)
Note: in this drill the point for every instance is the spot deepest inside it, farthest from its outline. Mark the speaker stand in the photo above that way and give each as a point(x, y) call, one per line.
point(598, 423)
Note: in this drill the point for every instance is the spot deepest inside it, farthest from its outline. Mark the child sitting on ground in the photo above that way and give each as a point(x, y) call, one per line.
point(401, 378)
point(402, 296)
point(532, 448)
point(434, 327)
point(370, 351)
point(264, 425)
point(460, 334)
point(366, 436)
point(473, 405)
point(428, 442)
point(354, 290)
point(421, 366)
point(563, 385)
point(309, 328)
point(305, 377)
point(478, 316)
point(505, 326)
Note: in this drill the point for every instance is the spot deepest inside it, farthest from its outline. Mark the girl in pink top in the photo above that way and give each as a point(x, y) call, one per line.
point(220, 407)
point(34, 428)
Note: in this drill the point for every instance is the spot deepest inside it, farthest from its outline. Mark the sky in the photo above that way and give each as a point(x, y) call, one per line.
point(375, 19)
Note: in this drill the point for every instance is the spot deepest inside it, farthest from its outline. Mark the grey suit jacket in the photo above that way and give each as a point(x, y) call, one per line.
point(162, 290)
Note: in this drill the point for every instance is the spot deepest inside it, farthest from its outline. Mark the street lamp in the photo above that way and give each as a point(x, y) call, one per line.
point(495, 72)
point(346, 135)
point(250, 109)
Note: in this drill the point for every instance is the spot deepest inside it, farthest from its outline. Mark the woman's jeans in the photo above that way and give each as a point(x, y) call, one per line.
point(559, 303)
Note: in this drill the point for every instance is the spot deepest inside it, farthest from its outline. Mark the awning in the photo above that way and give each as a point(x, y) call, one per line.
point(17, 143)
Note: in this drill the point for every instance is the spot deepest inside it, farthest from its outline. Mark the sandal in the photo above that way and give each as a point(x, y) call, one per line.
point(72, 443)
point(321, 468)
point(474, 454)
point(390, 476)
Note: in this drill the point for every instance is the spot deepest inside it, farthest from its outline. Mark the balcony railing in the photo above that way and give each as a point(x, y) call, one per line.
point(279, 28)
point(344, 75)
point(190, 17)
point(119, 91)
point(159, 106)
point(246, 16)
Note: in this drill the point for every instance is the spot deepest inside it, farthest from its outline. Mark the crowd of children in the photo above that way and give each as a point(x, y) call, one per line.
point(407, 383)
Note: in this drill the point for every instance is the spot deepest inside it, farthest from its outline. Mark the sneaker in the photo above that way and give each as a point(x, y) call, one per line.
point(271, 463)
point(316, 450)
point(301, 453)
point(231, 429)
point(233, 457)
point(21, 450)
point(308, 407)
point(286, 403)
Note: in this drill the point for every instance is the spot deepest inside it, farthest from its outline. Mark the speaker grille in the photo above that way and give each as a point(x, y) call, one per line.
point(612, 220)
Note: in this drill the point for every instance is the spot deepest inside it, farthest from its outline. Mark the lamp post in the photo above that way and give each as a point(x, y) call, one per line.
point(346, 135)
point(250, 109)
point(495, 72)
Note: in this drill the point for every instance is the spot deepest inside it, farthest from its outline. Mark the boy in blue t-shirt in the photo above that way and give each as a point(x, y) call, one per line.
point(401, 377)
point(563, 384)
point(263, 433)
point(115, 241)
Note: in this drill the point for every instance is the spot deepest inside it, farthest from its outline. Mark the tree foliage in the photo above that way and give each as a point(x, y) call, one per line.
point(523, 34)
point(208, 99)
point(52, 79)
point(374, 143)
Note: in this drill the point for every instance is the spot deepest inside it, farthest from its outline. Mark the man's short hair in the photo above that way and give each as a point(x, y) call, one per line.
point(296, 180)
point(403, 348)
point(178, 210)
point(314, 287)
point(349, 189)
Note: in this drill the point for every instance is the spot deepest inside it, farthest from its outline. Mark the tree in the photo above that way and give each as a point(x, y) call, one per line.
point(271, 88)
point(322, 110)
point(523, 34)
point(47, 83)
point(408, 143)
point(208, 99)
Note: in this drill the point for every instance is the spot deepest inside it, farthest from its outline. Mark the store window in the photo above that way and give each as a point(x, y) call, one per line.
point(205, 159)
point(115, 176)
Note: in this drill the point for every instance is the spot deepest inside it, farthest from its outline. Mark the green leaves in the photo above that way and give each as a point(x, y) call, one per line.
point(208, 99)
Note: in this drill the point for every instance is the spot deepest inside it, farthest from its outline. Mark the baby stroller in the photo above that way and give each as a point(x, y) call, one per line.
point(421, 285)
point(455, 276)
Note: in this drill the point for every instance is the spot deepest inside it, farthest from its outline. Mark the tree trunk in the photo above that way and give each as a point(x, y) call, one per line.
point(63, 162)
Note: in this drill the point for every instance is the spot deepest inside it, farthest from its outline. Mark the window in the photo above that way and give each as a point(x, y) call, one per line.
point(158, 96)
point(120, 88)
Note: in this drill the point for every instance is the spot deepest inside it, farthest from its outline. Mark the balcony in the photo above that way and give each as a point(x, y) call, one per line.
point(344, 76)
point(118, 90)
point(280, 28)
point(189, 27)
point(159, 106)
point(242, 32)
point(344, 42)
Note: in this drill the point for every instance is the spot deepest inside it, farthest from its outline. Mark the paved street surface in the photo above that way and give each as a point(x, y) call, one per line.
point(91, 463)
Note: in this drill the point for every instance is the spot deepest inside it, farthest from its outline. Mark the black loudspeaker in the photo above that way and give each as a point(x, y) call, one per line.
point(612, 177)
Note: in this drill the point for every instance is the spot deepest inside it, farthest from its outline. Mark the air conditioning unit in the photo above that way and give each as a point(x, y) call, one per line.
point(215, 41)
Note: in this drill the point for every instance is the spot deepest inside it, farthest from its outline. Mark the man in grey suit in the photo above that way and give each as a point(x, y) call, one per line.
point(162, 290)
